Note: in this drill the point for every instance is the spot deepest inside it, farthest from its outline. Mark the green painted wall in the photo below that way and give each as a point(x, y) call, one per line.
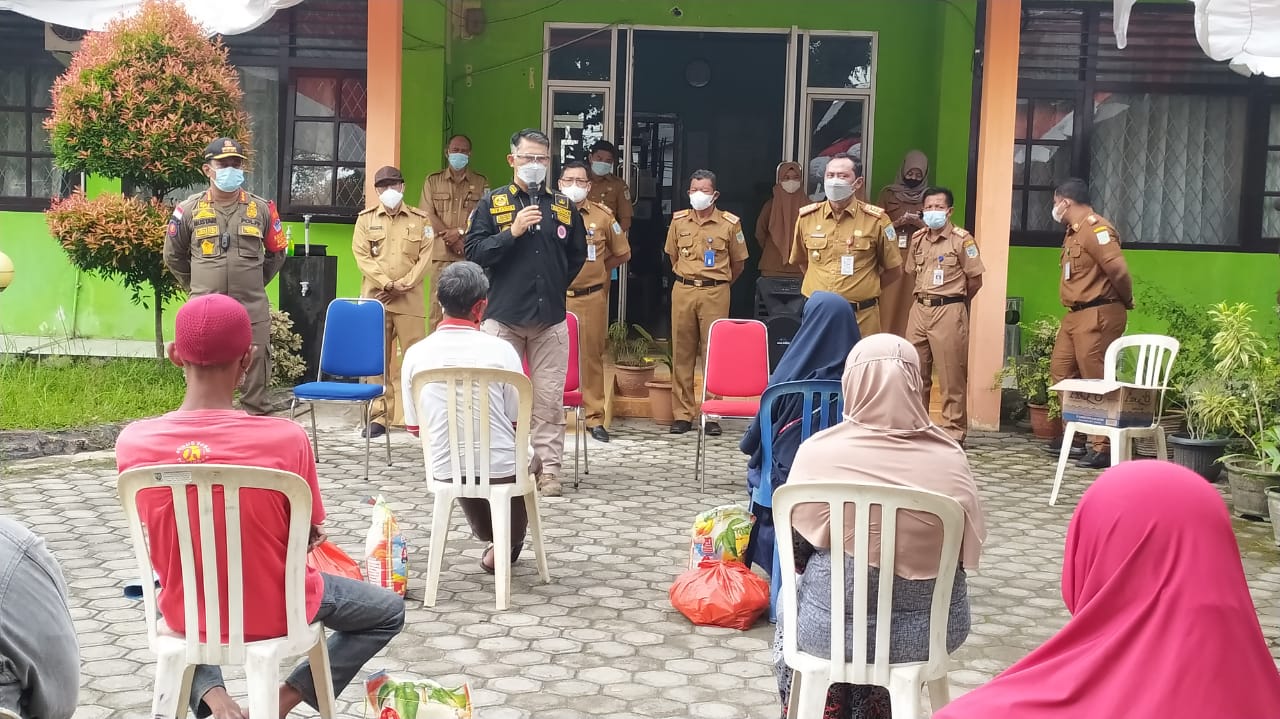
point(423, 111)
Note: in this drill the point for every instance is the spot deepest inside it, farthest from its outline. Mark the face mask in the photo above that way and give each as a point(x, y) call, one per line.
point(1057, 212)
point(911, 183)
point(228, 179)
point(458, 160)
point(391, 198)
point(532, 173)
point(602, 168)
point(790, 185)
point(700, 200)
point(935, 219)
point(574, 193)
point(837, 190)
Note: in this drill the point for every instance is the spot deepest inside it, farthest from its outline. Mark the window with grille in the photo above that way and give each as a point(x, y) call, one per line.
point(27, 175)
point(327, 122)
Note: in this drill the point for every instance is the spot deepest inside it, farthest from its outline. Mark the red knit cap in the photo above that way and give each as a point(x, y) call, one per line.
point(212, 330)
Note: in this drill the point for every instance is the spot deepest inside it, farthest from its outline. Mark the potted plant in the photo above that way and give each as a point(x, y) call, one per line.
point(631, 363)
point(1031, 378)
point(660, 408)
point(1212, 410)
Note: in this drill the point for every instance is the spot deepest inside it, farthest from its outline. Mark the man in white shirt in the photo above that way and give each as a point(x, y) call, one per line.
point(457, 341)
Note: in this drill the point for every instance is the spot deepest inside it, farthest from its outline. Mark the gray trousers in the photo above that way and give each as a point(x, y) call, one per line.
point(546, 351)
point(253, 392)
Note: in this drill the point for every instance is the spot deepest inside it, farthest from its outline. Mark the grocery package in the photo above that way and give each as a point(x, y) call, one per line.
point(328, 558)
point(386, 556)
point(720, 533)
point(402, 697)
point(719, 593)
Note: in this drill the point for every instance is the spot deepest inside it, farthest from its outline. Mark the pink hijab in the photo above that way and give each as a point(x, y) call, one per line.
point(887, 438)
point(1162, 625)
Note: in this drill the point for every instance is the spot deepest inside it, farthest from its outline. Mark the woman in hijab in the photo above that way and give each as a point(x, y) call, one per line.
point(886, 438)
point(776, 225)
point(828, 330)
point(1162, 625)
point(903, 201)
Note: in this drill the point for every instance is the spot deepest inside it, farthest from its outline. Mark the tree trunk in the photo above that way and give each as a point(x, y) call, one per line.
point(158, 309)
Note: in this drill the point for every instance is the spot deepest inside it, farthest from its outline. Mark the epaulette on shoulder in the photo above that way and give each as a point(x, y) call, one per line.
point(418, 211)
point(601, 206)
point(810, 208)
point(873, 210)
point(730, 216)
point(680, 215)
point(920, 233)
point(960, 232)
point(367, 210)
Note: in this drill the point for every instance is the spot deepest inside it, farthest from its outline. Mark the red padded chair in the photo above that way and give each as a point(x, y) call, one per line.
point(737, 365)
point(573, 398)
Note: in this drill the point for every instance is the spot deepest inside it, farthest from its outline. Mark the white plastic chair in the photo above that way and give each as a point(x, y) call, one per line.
point(1151, 368)
point(467, 392)
point(813, 675)
point(177, 655)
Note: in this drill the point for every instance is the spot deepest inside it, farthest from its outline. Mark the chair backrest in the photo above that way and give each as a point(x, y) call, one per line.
point(353, 343)
point(1152, 362)
point(572, 377)
point(737, 359)
point(822, 407)
point(468, 396)
point(890, 500)
point(203, 581)
point(782, 329)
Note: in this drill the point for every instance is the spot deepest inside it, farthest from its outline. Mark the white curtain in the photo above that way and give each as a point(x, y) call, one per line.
point(225, 17)
point(1244, 32)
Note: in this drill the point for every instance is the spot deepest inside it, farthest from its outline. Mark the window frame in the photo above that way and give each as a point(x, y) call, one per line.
point(287, 161)
point(30, 202)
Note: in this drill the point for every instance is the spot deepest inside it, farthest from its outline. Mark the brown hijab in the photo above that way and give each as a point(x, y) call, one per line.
point(899, 194)
point(888, 439)
point(786, 208)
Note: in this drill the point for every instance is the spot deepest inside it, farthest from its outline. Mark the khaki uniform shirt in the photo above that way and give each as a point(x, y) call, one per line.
point(1093, 268)
point(847, 251)
point(233, 249)
point(689, 240)
point(391, 247)
point(613, 193)
point(941, 264)
point(452, 200)
point(605, 240)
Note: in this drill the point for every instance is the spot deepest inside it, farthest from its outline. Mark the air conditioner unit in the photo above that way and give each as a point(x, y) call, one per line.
point(60, 38)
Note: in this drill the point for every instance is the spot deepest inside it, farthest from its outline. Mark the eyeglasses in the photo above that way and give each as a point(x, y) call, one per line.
point(540, 159)
point(575, 181)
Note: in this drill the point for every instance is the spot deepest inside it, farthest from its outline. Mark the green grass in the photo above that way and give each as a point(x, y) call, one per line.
point(61, 392)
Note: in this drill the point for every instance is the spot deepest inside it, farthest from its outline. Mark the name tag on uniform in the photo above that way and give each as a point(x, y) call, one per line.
point(206, 231)
point(846, 265)
point(709, 258)
point(902, 242)
point(937, 276)
point(1066, 271)
point(250, 231)
point(591, 253)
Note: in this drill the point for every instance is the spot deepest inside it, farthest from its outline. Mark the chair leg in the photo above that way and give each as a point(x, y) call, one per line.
point(435, 552)
point(577, 446)
point(387, 437)
point(698, 470)
point(939, 692)
point(293, 409)
point(367, 441)
point(1162, 449)
point(1121, 446)
point(1063, 455)
point(262, 675)
point(586, 448)
point(172, 673)
point(315, 435)
point(322, 677)
point(535, 535)
point(775, 584)
point(809, 698)
point(500, 511)
point(904, 695)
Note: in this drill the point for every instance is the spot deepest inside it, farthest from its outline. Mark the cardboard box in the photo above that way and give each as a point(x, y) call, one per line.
point(1107, 403)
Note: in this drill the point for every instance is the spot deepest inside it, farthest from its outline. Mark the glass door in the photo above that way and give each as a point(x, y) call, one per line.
point(576, 121)
point(836, 101)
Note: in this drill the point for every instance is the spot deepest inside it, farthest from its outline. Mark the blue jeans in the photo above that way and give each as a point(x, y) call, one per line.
point(361, 619)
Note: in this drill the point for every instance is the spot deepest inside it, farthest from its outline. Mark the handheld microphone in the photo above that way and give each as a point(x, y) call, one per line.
point(535, 191)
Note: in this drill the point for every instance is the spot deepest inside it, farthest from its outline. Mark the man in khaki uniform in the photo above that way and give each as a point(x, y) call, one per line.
point(607, 188)
point(708, 252)
point(1095, 287)
point(847, 246)
point(947, 272)
point(448, 197)
point(227, 241)
point(392, 245)
point(588, 294)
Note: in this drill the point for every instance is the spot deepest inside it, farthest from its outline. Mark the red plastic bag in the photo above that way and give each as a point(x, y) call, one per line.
point(329, 559)
point(720, 594)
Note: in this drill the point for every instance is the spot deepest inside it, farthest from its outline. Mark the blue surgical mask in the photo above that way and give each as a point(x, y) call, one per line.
point(458, 160)
point(601, 168)
point(228, 179)
point(935, 219)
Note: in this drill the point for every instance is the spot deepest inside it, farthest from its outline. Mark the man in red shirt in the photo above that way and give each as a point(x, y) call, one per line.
point(212, 343)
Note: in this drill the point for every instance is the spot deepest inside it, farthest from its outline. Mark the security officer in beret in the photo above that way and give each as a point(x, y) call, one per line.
point(945, 272)
point(708, 252)
point(846, 246)
point(1095, 287)
point(227, 241)
point(392, 244)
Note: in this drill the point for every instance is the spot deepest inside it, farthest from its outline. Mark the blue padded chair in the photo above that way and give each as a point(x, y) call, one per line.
point(353, 345)
point(823, 406)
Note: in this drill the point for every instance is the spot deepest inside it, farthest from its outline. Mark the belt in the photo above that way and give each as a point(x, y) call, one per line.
point(1094, 303)
point(701, 283)
point(928, 301)
point(580, 293)
point(865, 304)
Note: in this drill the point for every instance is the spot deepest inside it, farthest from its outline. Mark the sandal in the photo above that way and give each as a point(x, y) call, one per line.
point(488, 554)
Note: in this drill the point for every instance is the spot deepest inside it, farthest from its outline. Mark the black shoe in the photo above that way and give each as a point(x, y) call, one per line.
point(373, 430)
point(1055, 447)
point(1095, 460)
point(600, 434)
point(713, 429)
point(680, 426)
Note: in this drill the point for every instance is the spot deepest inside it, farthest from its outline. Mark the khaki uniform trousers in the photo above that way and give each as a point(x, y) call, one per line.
point(941, 338)
point(402, 332)
point(693, 309)
point(593, 323)
point(434, 312)
point(868, 320)
point(897, 302)
point(253, 391)
point(546, 351)
point(1080, 349)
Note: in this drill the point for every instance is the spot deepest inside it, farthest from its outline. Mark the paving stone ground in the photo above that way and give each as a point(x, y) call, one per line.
point(601, 640)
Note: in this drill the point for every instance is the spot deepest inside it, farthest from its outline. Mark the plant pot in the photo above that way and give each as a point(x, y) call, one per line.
point(631, 380)
point(1041, 426)
point(1172, 422)
point(1249, 484)
point(1201, 456)
point(660, 402)
point(1273, 511)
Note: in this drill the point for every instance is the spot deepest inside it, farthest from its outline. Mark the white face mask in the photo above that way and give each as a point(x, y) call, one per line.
point(790, 185)
point(391, 198)
point(700, 200)
point(935, 219)
point(532, 173)
point(837, 190)
point(1057, 212)
point(575, 193)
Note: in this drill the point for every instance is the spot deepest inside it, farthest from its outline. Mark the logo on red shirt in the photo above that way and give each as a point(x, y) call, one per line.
point(193, 452)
